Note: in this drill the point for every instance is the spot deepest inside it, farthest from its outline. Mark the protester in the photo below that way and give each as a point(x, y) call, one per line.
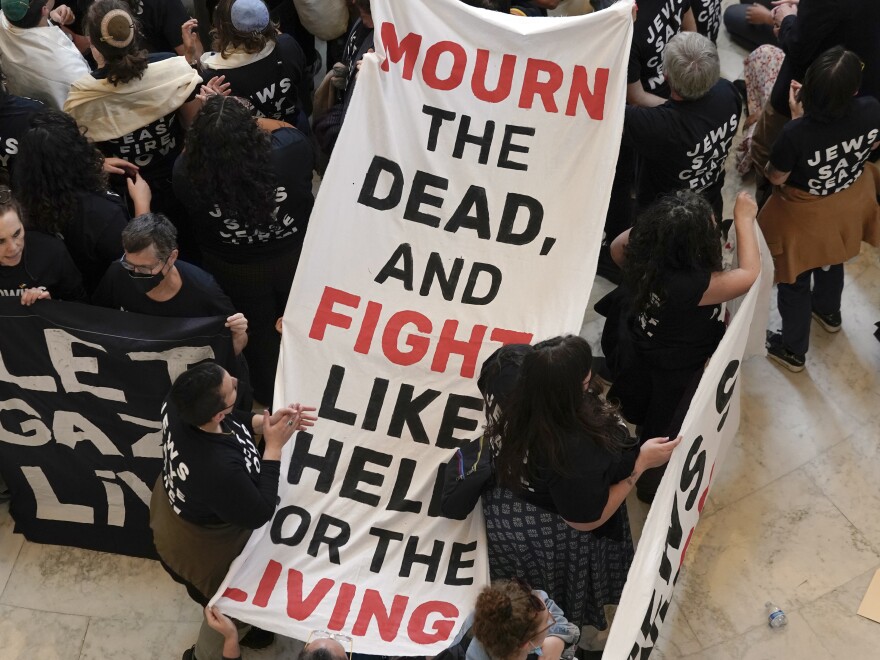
point(761, 67)
point(135, 106)
point(39, 60)
point(149, 279)
point(668, 319)
point(823, 206)
point(805, 30)
point(33, 266)
point(510, 621)
point(564, 467)
point(683, 144)
point(248, 186)
point(63, 189)
point(655, 23)
point(261, 65)
point(215, 487)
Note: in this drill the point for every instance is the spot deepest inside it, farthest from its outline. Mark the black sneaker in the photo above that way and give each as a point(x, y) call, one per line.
point(829, 322)
point(777, 352)
point(257, 638)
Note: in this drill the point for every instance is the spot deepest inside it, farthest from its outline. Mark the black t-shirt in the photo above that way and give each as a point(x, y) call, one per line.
point(825, 158)
point(160, 23)
point(707, 14)
point(94, 235)
point(237, 242)
point(581, 494)
point(15, 118)
point(273, 84)
point(154, 147)
point(44, 262)
point(678, 333)
point(684, 144)
point(216, 478)
point(199, 294)
point(656, 23)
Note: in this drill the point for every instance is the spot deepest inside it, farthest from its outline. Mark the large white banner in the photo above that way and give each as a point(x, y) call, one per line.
point(708, 428)
point(462, 210)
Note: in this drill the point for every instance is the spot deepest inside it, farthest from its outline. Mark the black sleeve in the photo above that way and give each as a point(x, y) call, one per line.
point(108, 244)
point(644, 130)
point(237, 500)
point(800, 36)
point(581, 495)
point(174, 16)
point(69, 284)
point(634, 66)
point(103, 294)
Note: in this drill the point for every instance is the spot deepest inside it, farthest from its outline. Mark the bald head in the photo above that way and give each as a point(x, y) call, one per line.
point(324, 648)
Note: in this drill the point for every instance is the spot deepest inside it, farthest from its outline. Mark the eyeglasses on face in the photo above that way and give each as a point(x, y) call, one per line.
point(141, 271)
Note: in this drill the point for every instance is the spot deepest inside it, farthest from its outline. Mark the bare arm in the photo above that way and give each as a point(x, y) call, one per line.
point(688, 22)
point(636, 95)
point(729, 284)
point(618, 248)
point(774, 176)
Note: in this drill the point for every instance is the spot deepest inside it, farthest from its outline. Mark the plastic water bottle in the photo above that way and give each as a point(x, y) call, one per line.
point(775, 616)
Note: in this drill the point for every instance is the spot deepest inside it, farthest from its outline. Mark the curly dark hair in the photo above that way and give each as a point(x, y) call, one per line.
point(677, 233)
point(506, 615)
point(225, 37)
point(546, 406)
point(117, 40)
point(54, 164)
point(229, 161)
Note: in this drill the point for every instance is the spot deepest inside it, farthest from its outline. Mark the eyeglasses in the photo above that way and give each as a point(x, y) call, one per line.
point(344, 640)
point(139, 271)
point(537, 605)
point(5, 195)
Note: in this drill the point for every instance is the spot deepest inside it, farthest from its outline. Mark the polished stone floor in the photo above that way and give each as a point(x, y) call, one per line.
point(792, 518)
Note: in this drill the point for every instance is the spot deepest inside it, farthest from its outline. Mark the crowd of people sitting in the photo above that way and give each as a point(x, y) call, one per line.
point(146, 173)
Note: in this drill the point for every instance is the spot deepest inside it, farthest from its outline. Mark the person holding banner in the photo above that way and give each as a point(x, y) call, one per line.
point(33, 266)
point(670, 317)
point(565, 466)
point(215, 488)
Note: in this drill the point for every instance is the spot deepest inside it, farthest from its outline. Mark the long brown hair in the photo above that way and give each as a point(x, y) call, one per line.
point(115, 34)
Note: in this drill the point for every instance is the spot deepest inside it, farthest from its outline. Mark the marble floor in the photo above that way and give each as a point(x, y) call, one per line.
point(792, 518)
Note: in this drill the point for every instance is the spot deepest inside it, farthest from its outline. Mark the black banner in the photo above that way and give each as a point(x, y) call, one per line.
point(80, 430)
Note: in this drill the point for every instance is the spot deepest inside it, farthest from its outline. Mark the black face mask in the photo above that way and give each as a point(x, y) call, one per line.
point(147, 284)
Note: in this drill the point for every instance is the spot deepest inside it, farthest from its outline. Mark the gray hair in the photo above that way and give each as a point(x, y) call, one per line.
point(150, 229)
point(691, 65)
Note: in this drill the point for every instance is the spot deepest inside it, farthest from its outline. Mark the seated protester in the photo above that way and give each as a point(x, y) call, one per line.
point(671, 318)
point(39, 60)
point(511, 621)
point(261, 65)
point(134, 106)
point(248, 186)
point(215, 487)
point(149, 279)
point(63, 189)
point(321, 645)
point(33, 266)
point(15, 116)
point(824, 203)
point(655, 21)
point(683, 144)
point(750, 23)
